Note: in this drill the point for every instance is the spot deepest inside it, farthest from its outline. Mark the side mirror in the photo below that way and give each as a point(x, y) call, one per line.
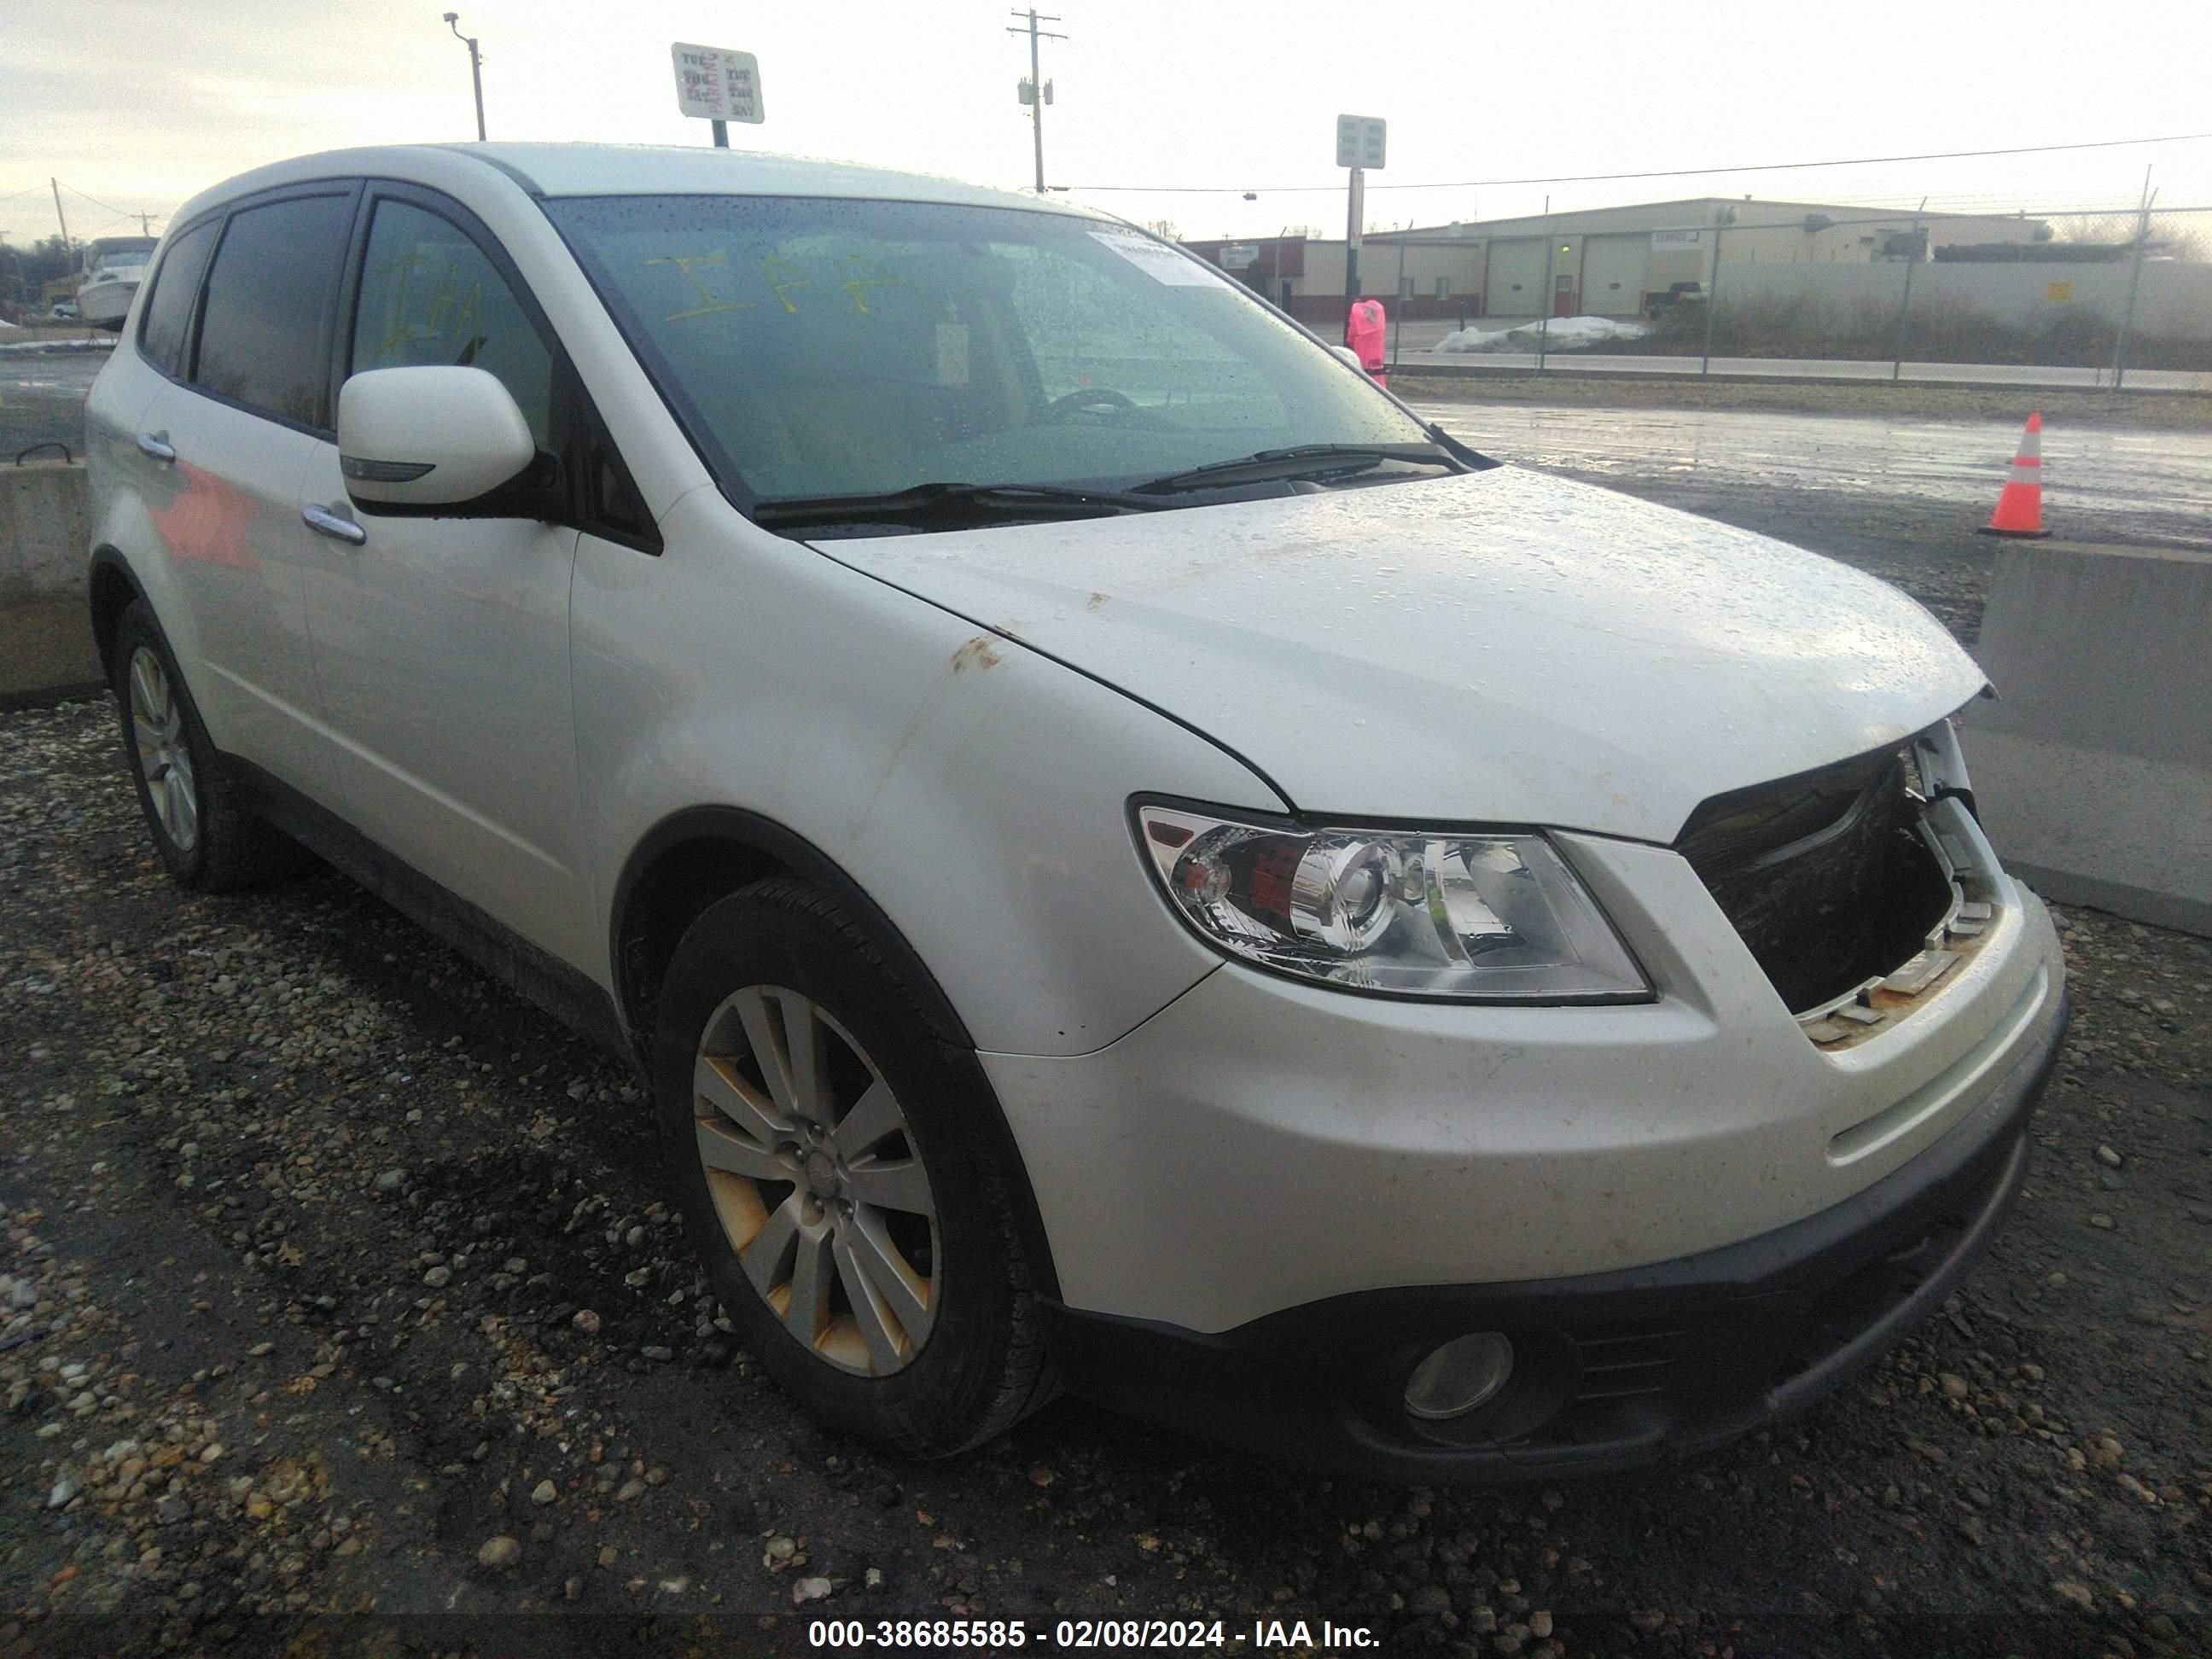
point(428, 437)
point(1350, 356)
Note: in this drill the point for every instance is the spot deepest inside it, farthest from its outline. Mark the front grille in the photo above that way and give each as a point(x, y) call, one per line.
point(1825, 875)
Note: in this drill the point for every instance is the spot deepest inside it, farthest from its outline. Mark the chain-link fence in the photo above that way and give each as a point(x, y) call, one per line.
point(2108, 290)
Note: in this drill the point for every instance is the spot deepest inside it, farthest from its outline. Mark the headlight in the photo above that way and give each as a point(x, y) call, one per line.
point(1482, 918)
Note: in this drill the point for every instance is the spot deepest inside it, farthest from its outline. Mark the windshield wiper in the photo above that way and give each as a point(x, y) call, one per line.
point(949, 504)
point(1299, 461)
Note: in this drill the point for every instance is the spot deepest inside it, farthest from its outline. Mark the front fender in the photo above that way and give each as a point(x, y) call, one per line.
point(974, 789)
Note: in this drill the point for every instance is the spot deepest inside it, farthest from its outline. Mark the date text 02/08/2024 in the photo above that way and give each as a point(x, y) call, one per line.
point(1002, 1635)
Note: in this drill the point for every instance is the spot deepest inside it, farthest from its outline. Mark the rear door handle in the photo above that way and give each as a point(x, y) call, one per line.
point(338, 527)
point(157, 445)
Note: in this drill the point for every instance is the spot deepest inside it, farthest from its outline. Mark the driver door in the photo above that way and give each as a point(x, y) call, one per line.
point(442, 644)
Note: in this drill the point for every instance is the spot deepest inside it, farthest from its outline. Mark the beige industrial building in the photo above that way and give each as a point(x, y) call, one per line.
point(1607, 262)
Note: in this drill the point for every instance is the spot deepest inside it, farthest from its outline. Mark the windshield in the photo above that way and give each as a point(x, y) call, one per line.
point(826, 348)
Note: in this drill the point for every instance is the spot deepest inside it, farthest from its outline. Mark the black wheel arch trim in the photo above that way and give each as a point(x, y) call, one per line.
point(108, 562)
point(735, 825)
point(753, 832)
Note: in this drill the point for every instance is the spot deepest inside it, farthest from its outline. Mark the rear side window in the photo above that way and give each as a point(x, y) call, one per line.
point(261, 329)
point(429, 296)
point(176, 285)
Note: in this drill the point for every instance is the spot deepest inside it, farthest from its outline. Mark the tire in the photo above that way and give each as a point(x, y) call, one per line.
point(218, 844)
point(772, 962)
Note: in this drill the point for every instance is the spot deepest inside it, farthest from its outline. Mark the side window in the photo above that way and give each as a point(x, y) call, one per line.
point(429, 296)
point(168, 316)
point(261, 329)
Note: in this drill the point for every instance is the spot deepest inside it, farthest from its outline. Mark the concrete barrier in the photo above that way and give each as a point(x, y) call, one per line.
point(45, 528)
point(45, 633)
point(2093, 767)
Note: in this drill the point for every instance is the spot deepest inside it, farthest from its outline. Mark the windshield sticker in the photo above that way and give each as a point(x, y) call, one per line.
point(952, 354)
point(684, 262)
point(1162, 263)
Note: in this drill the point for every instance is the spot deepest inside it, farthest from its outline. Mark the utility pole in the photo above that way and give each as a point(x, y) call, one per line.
point(1039, 93)
point(476, 66)
point(59, 215)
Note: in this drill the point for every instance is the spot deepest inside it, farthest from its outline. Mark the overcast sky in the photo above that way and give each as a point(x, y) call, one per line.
point(135, 105)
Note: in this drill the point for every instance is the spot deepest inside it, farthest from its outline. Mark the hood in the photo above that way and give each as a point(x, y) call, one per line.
point(1498, 646)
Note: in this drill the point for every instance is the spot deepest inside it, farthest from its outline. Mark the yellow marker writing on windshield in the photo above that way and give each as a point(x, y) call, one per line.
point(684, 262)
point(854, 285)
point(799, 278)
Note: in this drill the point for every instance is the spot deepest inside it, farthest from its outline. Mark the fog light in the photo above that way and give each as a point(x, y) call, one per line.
point(1466, 1372)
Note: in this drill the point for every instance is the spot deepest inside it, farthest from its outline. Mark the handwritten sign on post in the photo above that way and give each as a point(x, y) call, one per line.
point(718, 85)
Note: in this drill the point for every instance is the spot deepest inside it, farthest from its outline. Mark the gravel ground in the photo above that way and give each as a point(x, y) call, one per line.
point(335, 1280)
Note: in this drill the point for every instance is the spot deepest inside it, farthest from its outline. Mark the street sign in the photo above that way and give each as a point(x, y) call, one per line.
point(1359, 141)
point(717, 85)
point(1240, 257)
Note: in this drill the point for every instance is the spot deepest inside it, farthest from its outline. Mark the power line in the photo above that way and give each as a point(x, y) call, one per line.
point(126, 212)
point(1651, 172)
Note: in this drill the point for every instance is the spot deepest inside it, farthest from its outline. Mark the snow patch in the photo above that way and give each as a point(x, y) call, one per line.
point(1561, 334)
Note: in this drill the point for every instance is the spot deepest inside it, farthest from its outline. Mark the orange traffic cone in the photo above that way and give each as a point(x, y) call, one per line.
point(2019, 509)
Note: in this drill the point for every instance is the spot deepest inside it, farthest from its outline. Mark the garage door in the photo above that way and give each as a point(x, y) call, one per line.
point(1613, 274)
point(1516, 286)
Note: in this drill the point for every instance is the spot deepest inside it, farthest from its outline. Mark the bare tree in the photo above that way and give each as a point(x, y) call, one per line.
point(2172, 235)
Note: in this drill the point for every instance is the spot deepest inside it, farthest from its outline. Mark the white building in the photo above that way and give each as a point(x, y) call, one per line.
point(1602, 261)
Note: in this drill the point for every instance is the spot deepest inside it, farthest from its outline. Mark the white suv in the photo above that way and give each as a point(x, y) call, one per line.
point(1130, 862)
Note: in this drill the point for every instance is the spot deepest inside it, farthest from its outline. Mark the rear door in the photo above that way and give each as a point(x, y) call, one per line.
point(442, 643)
point(230, 435)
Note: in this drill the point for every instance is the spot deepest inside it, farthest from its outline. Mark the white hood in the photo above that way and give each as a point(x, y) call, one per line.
point(1499, 648)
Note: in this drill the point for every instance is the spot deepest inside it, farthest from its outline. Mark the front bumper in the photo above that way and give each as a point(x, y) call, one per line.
point(1614, 1370)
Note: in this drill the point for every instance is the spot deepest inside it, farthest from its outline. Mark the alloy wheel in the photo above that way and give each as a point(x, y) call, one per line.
point(157, 727)
point(817, 1180)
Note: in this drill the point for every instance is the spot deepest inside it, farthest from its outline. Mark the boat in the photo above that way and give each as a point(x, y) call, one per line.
point(113, 267)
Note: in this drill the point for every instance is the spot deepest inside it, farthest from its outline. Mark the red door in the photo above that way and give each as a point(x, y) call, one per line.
point(1562, 296)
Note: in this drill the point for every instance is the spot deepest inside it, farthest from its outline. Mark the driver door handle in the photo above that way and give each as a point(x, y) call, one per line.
point(339, 528)
point(157, 445)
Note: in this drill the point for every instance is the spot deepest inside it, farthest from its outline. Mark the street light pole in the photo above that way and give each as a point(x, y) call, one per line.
point(476, 66)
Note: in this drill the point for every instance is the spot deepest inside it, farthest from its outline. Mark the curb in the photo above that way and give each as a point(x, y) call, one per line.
point(1652, 377)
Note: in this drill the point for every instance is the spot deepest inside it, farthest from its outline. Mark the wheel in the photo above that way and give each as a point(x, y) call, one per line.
point(846, 1202)
point(208, 838)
